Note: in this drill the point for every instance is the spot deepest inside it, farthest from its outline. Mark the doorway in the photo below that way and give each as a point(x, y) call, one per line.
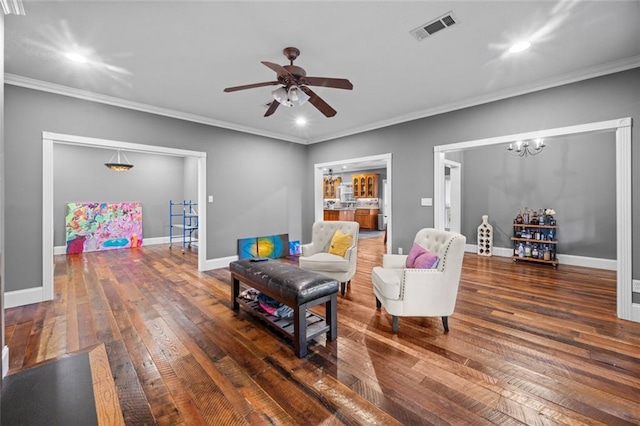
point(48, 141)
point(626, 309)
point(374, 161)
point(453, 195)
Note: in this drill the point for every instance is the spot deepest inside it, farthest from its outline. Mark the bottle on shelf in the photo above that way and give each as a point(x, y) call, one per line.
point(519, 217)
point(521, 250)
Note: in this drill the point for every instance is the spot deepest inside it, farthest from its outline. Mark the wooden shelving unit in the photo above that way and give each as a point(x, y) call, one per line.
point(544, 232)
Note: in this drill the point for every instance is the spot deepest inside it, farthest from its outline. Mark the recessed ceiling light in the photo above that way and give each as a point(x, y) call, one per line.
point(76, 57)
point(519, 47)
point(301, 121)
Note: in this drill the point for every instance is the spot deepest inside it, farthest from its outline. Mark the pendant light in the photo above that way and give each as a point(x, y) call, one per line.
point(119, 165)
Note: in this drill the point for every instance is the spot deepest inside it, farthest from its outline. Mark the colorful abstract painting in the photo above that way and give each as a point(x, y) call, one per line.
point(273, 246)
point(103, 226)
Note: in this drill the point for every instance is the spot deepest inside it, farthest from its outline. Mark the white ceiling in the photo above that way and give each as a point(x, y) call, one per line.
point(176, 57)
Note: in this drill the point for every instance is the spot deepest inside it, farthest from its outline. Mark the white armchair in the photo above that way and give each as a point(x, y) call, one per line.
point(316, 257)
point(421, 292)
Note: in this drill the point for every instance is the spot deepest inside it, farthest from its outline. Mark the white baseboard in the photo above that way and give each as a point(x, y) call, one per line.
point(5, 361)
point(222, 262)
point(563, 259)
point(23, 297)
point(145, 241)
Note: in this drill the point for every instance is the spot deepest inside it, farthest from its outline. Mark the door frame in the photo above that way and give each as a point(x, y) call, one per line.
point(455, 177)
point(317, 185)
point(48, 141)
point(626, 309)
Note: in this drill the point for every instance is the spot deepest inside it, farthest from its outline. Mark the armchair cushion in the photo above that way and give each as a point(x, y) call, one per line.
point(387, 281)
point(340, 243)
point(325, 262)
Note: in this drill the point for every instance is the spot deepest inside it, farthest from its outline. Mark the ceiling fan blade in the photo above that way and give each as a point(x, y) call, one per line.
point(251, 86)
point(272, 108)
point(317, 102)
point(336, 83)
point(278, 69)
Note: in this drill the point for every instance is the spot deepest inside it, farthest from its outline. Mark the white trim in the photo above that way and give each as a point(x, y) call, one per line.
point(47, 220)
point(626, 309)
point(222, 262)
point(317, 185)
point(5, 360)
point(563, 259)
point(128, 146)
point(48, 139)
point(30, 83)
point(202, 214)
point(623, 219)
point(58, 250)
point(23, 297)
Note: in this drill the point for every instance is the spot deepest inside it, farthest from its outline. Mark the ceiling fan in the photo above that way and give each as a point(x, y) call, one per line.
point(295, 82)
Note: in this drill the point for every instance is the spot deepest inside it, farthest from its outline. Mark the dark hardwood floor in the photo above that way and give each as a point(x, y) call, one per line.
point(528, 344)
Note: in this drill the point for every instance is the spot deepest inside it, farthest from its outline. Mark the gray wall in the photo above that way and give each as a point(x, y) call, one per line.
point(573, 175)
point(190, 179)
point(80, 176)
point(257, 194)
point(411, 144)
point(270, 191)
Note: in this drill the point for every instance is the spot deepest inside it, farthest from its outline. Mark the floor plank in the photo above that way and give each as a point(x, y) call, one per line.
point(529, 344)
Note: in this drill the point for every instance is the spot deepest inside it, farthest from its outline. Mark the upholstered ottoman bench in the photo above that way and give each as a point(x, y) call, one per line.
point(296, 288)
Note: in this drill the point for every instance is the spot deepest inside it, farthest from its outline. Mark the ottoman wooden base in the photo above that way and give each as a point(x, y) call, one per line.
point(295, 287)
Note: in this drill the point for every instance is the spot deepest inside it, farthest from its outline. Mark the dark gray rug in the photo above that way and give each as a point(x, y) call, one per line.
point(55, 393)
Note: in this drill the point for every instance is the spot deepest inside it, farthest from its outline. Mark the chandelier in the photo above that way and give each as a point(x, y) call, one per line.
point(119, 165)
point(330, 178)
point(525, 148)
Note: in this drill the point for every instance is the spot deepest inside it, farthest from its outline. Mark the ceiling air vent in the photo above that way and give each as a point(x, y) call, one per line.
point(430, 28)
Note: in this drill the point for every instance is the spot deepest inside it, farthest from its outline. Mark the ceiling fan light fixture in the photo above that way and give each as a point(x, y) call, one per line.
point(281, 95)
point(298, 96)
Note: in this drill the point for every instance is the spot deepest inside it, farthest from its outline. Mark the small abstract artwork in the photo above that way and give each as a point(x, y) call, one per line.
point(273, 246)
point(103, 226)
point(294, 248)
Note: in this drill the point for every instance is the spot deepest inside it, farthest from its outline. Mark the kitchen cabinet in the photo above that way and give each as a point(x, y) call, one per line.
point(365, 185)
point(340, 214)
point(330, 187)
point(367, 218)
point(331, 215)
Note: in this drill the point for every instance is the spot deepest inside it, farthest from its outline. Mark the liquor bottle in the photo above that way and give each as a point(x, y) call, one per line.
point(521, 250)
point(519, 218)
point(527, 250)
point(525, 216)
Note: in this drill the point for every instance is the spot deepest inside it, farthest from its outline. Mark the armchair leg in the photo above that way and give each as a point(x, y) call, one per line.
point(378, 303)
point(445, 324)
point(394, 326)
point(343, 286)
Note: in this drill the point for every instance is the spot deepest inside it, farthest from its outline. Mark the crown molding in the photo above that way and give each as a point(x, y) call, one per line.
point(30, 83)
point(561, 80)
point(585, 74)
